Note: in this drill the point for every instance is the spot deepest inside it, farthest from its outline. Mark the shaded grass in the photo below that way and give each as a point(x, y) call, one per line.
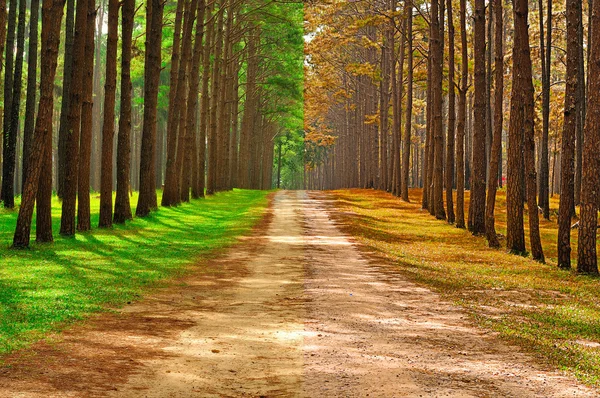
point(45, 288)
point(551, 312)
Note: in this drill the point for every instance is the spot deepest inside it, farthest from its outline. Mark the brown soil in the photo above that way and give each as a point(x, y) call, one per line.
point(296, 310)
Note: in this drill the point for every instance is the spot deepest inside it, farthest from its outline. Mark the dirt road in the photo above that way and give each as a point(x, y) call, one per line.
point(293, 311)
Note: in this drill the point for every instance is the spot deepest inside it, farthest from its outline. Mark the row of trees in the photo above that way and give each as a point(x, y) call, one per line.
point(391, 84)
point(222, 77)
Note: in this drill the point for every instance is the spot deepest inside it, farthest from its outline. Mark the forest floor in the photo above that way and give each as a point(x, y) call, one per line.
point(296, 309)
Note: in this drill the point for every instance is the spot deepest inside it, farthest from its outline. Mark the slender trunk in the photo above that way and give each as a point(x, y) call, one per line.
point(108, 126)
point(10, 136)
point(36, 181)
point(587, 259)
point(495, 153)
point(451, 119)
point(85, 148)
point(565, 211)
point(170, 194)
point(192, 94)
point(462, 118)
point(211, 186)
point(63, 130)
point(529, 139)
point(154, 20)
point(122, 204)
point(31, 86)
point(477, 203)
point(545, 55)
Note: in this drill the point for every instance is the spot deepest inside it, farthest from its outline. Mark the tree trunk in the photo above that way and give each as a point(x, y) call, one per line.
point(529, 135)
point(496, 149)
point(31, 86)
point(587, 259)
point(108, 124)
point(122, 204)
point(67, 226)
point(406, 147)
point(152, 63)
point(170, 192)
point(545, 55)
point(477, 220)
point(85, 148)
point(10, 135)
point(211, 186)
point(565, 211)
point(192, 94)
point(36, 182)
point(451, 119)
point(205, 99)
point(515, 237)
point(462, 119)
point(181, 99)
point(63, 130)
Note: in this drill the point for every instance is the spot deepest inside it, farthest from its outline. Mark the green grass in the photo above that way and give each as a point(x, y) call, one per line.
point(553, 313)
point(45, 288)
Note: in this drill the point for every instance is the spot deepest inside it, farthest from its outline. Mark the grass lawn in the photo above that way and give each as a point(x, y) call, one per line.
point(45, 288)
point(551, 312)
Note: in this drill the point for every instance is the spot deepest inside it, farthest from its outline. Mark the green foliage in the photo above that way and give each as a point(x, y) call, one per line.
point(49, 286)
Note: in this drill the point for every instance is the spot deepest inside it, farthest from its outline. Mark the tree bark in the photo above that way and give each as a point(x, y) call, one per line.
point(10, 136)
point(67, 226)
point(31, 86)
point(170, 192)
point(85, 146)
point(495, 153)
point(587, 259)
point(462, 119)
point(122, 205)
point(478, 194)
point(152, 63)
point(565, 211)
point(108, 124)
point(63, 130)
point(450, 144)
point(192, 94)
point(406, 147)
point(36, 182)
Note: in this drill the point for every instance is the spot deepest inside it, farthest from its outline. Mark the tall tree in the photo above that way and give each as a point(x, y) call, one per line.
point(108, 124)
point(450, 144)
point(477, 221)
point(66, 95)
point(13, 111)
point(545, 55)
point(67, 225)
point(147, 200)
point(52, 12)
point(85, 141)
point(462, 120)
point(211, 184)
point(529, 132)
point(122, 205)
point(170, 195)
point(192, 109)
point(436, 54)
point(567, 194)
point(406, 146)
point(31, 85)
point(515, 233)
point(495, 152)
point(587, 258)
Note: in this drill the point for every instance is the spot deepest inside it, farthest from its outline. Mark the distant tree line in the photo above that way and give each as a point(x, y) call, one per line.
point(388, 108)
point(191, 96)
